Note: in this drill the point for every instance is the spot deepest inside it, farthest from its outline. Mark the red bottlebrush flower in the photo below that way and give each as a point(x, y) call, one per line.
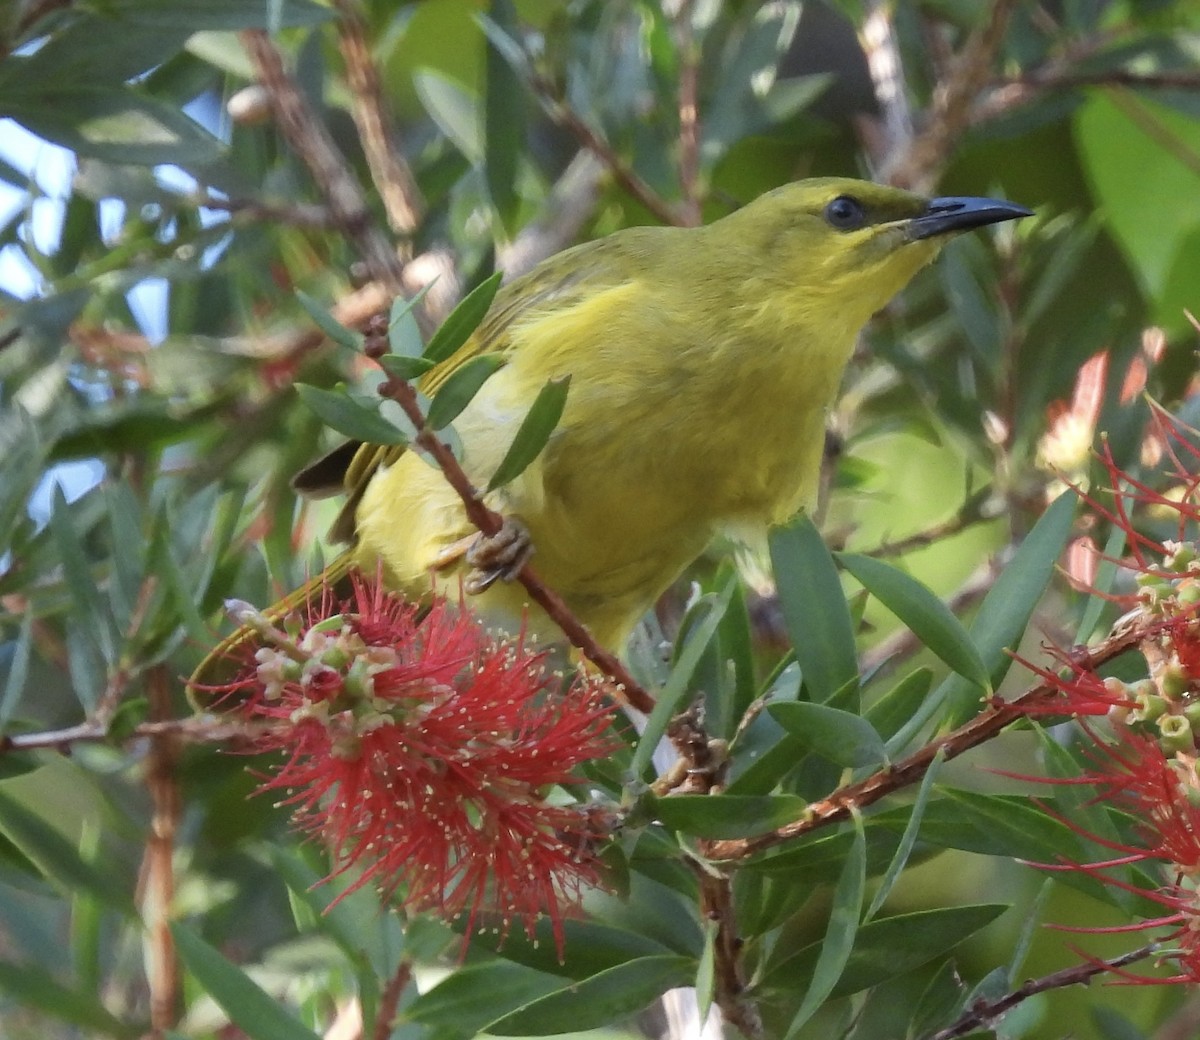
point(1161, 793)
point(421, 749)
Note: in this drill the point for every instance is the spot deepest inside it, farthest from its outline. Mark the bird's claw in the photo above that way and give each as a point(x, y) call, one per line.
point(496, 556)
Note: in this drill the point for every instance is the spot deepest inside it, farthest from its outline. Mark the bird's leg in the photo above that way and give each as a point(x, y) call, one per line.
point(491, 557)
point(499, 555)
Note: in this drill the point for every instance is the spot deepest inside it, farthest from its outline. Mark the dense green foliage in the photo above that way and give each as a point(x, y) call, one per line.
point(165, 285)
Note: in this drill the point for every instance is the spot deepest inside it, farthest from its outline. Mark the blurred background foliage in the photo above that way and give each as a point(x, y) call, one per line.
point(175, 171)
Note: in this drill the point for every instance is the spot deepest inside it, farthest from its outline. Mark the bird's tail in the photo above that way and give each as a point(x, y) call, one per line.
point(217, 662)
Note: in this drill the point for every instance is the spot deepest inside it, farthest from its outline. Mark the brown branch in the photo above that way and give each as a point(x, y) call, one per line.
point(196, 729)
point(389, 1000)
point(489, 523)
point(986, 725)
point(689, 115)
point(156, 883)
point(919, 165)
point(566, 117)
point(390, 172)
point(984, 1014)
point(974, 511)
point(312, 143)
point(296, 214)
point(885, 64)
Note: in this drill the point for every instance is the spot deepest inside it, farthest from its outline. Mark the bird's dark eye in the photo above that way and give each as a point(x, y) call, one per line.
point(845, 213)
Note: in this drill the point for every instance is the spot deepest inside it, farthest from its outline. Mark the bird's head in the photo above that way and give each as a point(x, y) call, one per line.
point(834, 246)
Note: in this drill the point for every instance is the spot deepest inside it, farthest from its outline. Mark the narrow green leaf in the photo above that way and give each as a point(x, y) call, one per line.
point(1006, 609)
point(838, 736)
point(325, 321)
point(814, 608)
point(460, 387)
point(534, 433)
point(1106, 576)
point(161, 562)
point(467, 1001)
point(403, 367)
point(891, 946)
point(404, 334)
point(463, 320)
point(77, 575)
point(31, 987)
point(917, 607)
point(256, 1013)
point(1029, 931)
point(343, 413)
point(18, 669)
point(989, 824)
point(726, 815)
point(900, 703)
point(841, 933)
point(599, 1000)
point(677, 684)
point(503, 121)
point(908, 839)
point(57, 858)
point(453, 109)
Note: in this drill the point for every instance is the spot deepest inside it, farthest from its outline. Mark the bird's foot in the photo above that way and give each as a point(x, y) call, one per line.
point(496, 556)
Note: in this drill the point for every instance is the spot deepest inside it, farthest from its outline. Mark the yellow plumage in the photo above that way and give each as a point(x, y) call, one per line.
point(702, 364)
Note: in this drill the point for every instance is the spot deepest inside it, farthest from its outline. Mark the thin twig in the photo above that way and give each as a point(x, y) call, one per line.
point(489, 523)
point(196, 729)
point(312, 143)
point(390, 172)
point(296, 214)
point(919, 164)
point(985, 1014)
point(156, 885)
point(570, 120)
point(986, 725)
point(689, 115)
point(389, 1000)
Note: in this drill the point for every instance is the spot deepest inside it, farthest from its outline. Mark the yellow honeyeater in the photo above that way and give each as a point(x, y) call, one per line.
point(702, 363)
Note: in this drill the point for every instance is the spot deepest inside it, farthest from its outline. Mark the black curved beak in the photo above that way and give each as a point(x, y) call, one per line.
point(961, 213)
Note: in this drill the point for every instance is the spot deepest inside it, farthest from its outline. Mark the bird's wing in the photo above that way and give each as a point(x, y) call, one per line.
point(558, 283)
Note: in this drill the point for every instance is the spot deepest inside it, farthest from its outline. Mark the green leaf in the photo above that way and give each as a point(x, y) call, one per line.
point(470, 999)
point(114, 124)
point(402, 367)
point(679, 681)
point(814, 608)
point(900, 703)
point(346, 415)
point(1006, 609)
point(990, 824)
point(30, 987)
point(909, 839)
point(890, 947)
point(726, 815)
point(599, 1000)
point(57, 858)
point(838, 736)
point(503, 121)
point(404, 334)
point(841, 933)
point(706, 972)
point(252, 1010)
point(326, 322)
point(534, 433)
point(463, 320)
point(460, 387)
point(922, 611)
point(18, 669)
point(453, 110)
